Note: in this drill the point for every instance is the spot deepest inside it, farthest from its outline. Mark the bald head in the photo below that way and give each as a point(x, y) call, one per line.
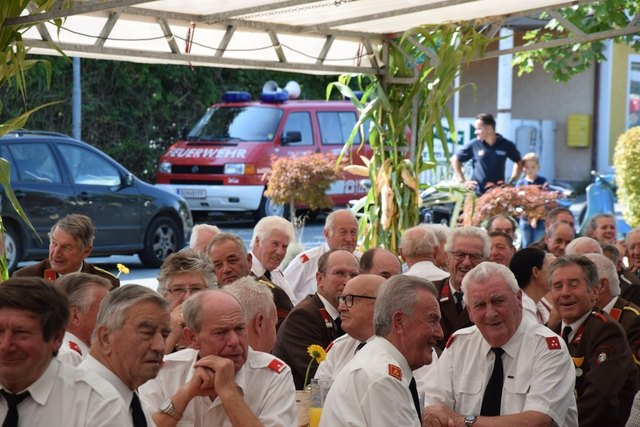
point(381, 262)
point(359, 293)
point(583, 245)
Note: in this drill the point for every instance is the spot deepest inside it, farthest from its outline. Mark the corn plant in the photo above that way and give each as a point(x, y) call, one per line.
point(404, 110)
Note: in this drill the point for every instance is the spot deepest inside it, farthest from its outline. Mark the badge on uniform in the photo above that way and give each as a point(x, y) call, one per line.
point(75, 347)
point(395, 372)
point(553, 343)
point(304, 258)
point(578, 361)
point(602, 357)
point(276, 365)
point(50, 274)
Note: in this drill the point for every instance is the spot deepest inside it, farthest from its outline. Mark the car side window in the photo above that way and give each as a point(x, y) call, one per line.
point(87, 167)
point(336, 126)
point(34, 162)
point(299, 121)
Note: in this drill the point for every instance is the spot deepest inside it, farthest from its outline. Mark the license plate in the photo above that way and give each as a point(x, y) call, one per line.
point(189, 193)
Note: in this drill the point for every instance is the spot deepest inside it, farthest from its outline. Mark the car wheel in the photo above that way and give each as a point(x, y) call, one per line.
point(12, 246)
point(162, 239)
point(269, 208)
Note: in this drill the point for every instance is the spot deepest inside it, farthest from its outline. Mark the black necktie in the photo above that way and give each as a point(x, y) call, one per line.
point(416, 400)
point(11, 420)
point(493, 393)
point(136, 412)
point(338, 323)
point(458, 297)
point(359, 347)
point(566, 331)
point(267, 274)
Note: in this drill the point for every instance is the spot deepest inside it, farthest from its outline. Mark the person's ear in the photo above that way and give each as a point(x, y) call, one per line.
point(190, 335)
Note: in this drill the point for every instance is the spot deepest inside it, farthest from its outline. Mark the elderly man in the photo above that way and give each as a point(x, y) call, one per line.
point(419, 248)
point(633, 250)
point(340, 232)
point(602, 227)
point(201, 235)
point(530, 267)
point(558, 237)
point(502, 249)
point(609, 301)
point(606, 380)
point(37, 390)
point(70, 242)
point(128, 344)
point(381, 262)
point(502, 224)
point(181, 275)
point(377, 387)
point(85, 292)
point(271, 238)
point(316, 320)
point(259, 310)
point(518, 372)
point(441, 232)
point(232, 262)
point(583, 245)
point(556, 215)
point(466, 248)
point(220, 380)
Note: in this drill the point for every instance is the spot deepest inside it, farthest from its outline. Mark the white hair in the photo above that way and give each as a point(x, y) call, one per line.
point(583, 245)
point(267, 225)
point(486, 270)
point(477, 232)
point(606, 270)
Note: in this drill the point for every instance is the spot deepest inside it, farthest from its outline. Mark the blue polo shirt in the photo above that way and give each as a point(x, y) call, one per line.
point(488, 161)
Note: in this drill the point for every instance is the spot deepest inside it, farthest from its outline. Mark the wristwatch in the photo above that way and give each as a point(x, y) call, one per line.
point(167, 408)
point(469, 420)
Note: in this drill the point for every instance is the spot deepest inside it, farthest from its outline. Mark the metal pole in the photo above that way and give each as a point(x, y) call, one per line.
point(76, 101)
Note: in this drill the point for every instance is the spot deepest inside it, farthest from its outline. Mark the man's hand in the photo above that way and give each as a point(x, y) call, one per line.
point(471, 184)
point(440, 416)
point(177, 325)
point(224, 373)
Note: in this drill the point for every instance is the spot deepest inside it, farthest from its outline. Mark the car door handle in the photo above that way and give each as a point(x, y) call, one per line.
point(84, 196)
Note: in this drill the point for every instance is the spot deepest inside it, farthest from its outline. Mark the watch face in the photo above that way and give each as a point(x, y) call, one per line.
point(166, 406)
point(469, 420)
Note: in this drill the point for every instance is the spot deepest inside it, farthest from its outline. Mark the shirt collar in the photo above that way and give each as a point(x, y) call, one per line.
point(333, 312)
point(407, 373)
point(513, 345)
point(575, 325)
point(256, 266)
point(41, 389)
point(607, 308)
point(92, 364)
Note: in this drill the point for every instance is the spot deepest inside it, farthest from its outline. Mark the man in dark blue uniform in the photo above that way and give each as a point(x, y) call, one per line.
point(489, 152)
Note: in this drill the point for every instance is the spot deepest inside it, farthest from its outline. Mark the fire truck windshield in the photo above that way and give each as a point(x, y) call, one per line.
point(250, 123)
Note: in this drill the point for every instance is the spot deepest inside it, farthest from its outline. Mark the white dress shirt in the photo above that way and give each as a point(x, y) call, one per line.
point(73, 350)
point(427, 270)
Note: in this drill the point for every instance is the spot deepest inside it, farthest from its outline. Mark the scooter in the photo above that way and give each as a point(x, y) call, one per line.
point(600, 197)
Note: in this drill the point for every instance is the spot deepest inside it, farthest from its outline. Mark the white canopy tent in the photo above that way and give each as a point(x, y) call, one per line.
point(311, 36)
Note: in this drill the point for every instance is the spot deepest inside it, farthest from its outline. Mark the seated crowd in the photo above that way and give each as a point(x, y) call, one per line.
point(459, 328)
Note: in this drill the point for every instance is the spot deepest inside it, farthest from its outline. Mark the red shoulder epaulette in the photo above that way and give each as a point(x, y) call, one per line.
point(276, 365)
point(75, 347)
point(615, 313)
point(553, 343)
point(599, 315)
point(450, 341)
point(395, 372)
point(304, 258)
point(329, 347)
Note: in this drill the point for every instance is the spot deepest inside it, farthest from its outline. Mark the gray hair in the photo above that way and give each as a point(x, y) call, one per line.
point(79, 226)
point(589, 269)
point(418, 241)
point(593, 222)
point(331, 219)
point(187, 261)
point(485, 271)
point(606, 270)
point(199, 228)
point(635, 230)
point(254, 297)
point(192, 308)
point(115, 305)
point(477, 232)
point(267, 225)
point(441, 232)
point(556, 225)
point(581, 244)
point(80, 288)
point(398, 293)
point(227, 237)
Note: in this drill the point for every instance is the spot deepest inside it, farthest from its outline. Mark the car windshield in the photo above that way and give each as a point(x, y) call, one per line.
point(256, 124)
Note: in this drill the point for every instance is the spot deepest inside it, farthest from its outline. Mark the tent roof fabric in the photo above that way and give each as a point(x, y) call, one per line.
point(317, 36)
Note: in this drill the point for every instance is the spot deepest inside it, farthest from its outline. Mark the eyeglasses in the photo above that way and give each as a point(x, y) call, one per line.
point(461, 255)
point(178, 292)
point(347, 300)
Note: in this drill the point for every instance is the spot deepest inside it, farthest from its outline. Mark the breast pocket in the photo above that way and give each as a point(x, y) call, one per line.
point(468, 392)
point(515, 393)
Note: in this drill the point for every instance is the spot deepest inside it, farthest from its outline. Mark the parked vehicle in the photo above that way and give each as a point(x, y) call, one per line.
point(54, 175)
point(219, 166)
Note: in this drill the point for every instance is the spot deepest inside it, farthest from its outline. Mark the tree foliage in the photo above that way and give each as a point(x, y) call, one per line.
point(626, 160)
point(133, 111)
point(567, 60)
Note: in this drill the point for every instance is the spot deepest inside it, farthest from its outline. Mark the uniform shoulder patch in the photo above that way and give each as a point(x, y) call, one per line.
point(615, 313)
point(553, 343)
point(276, 365)
point(50, 274)
point(304, 258)
point(631, 309)
point(395, 372)
point(450, 341)
point(75, 347)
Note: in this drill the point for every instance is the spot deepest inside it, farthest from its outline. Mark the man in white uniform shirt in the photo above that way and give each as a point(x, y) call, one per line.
point(271, 238)
point(220, 381)
point(340, 232)
point(419, 248)
point(377, 387)
point(85, 292)
point(36, 389)
point(128, 344)
point(520, 371)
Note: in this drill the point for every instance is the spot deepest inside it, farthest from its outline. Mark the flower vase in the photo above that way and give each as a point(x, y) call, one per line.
point(303, 397)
